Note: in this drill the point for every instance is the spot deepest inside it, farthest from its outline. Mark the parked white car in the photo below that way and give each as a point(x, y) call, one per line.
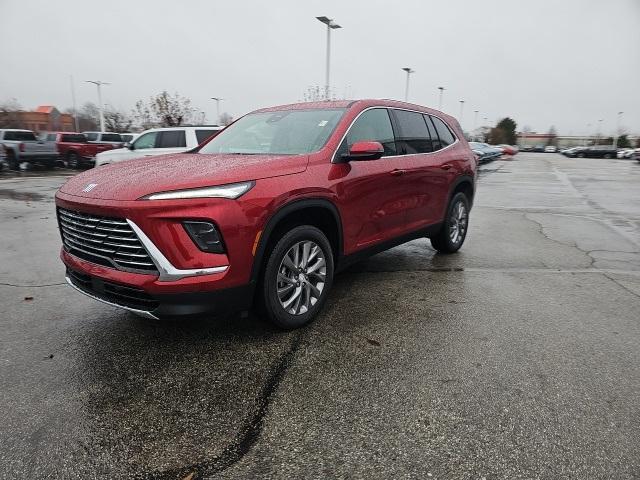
point(550, 149)
point(159, 141)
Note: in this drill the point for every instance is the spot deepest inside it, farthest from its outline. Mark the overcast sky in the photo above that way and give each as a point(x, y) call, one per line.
point(566, 63)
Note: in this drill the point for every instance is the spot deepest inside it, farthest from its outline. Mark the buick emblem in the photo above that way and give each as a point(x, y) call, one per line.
point(89, 187)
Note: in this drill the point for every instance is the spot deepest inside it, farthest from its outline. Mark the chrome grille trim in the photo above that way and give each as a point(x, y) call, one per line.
point(105, 241)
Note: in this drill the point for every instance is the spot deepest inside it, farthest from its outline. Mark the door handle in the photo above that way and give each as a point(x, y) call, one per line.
point(446, 166)
point(397, 172)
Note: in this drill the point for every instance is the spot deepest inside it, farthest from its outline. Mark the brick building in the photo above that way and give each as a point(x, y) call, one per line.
point(43, 118)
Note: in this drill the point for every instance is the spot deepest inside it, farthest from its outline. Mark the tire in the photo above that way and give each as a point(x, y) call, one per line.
point(12, 161)
point(607, 156)
point(73, 161)
point(580, 155)
point(456, 224)
point(287, 290)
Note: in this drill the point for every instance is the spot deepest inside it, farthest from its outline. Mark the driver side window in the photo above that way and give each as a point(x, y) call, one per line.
point(148, 140)
point(373, 125)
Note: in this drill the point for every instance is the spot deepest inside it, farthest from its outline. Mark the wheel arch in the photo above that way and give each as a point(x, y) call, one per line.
point(464, 184)
point(291, 213)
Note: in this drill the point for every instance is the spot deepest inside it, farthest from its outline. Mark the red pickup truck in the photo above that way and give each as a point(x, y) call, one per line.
point(76, 150)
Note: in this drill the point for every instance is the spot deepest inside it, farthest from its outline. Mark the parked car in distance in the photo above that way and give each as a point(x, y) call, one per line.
point(538, 149)
point(508, 149)
point(104, 137)
point(550, 149)
point(625, 152)
point(636, 154)
point(485, 152)
point(270, 208)
point(76, 151)
point(598, 151)
point(129, 137)
point(20, 146)
point(159, 141)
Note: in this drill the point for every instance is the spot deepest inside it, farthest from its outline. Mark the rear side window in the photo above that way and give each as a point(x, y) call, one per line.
point(445, 135)
point(172, 139)
point(73, 138)
point(373, 125)
point(20, 136)
point(111, 137)
point(414, 136)
point(202, 135)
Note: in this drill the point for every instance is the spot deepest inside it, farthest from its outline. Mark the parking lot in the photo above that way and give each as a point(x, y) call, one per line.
point(515, 358)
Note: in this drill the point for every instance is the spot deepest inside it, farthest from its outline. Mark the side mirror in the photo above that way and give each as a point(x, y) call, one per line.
point(365, 150)
point(129, 146)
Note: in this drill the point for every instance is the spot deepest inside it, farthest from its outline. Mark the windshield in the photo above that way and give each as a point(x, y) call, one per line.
point(285, 132)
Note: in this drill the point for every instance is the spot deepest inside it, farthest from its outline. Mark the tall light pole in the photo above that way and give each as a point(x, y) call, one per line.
point(475, 120)
point(331, 25)
point(617, 132)
point(99, 83)
point(598, 132)
point(406, 88)
point(440, 100)
point(218, 100)
point(461, 110)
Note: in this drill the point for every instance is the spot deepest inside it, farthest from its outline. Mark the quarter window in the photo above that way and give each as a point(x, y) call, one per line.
point(172, 139)
point(445, 135)
point(414, 136)
point(373, 125)
point(202, 135)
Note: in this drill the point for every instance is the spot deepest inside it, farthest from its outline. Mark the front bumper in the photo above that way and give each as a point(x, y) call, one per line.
point(159, 306)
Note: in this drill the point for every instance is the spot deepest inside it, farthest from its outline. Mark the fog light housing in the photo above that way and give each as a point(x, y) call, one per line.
point(205, 236)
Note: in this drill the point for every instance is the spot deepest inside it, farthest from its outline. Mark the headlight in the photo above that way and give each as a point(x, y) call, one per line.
point(232, 190)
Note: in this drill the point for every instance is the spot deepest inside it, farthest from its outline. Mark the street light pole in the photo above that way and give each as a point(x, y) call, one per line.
point(598, 132)
point(406, 88)
point(617, 132)
point(461, 110)
point(475, 120)
point(331, 25)
point(99, 83)
point(440, 100)
point(218, 100)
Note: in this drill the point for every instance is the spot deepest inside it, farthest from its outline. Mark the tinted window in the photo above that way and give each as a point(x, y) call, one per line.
point(148, 140)
point(126, 137)
point(172, 139)
point(202, 135)
point(373, 125)
point(414, 136)
point(51, 137)
point(74, 138)
point(445, 135)
point(111, 137)
point(91, 136)
point(20, 136)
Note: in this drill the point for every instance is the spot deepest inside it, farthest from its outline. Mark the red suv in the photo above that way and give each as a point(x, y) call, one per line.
point(270, 208)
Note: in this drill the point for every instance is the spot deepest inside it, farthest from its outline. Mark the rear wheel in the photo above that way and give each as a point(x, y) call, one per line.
point(297, 277)
point(454, 229)
point(73, 160)
point(581, 155)
point(12, 161)
point(607, 156)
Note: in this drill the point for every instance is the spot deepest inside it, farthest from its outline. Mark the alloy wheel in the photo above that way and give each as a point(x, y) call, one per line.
point(458, 223)
point(301, 277)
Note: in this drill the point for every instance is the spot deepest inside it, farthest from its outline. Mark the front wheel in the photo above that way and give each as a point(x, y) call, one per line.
point(73, 161)
point(297, 277)
point(454, 229)
point(12, 161)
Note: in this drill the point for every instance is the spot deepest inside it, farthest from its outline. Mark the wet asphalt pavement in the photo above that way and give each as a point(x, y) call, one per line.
point(518, 357)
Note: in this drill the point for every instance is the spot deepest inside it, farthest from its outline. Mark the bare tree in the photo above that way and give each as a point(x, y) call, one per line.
point(142, 115)
point(10, 114)
point(117, 121)
point(171, 111)
point(225, 118)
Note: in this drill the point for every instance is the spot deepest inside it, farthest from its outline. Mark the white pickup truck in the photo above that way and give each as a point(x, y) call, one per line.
point(18, 146)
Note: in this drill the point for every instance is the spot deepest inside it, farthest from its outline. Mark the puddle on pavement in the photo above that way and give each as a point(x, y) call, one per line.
point(22, 196)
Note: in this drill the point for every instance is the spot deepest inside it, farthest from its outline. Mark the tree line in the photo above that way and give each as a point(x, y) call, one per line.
point(161, 110)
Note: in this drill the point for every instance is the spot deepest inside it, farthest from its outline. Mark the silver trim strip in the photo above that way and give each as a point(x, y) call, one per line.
point(141, 313)
point(333, 157)
point(168, 272)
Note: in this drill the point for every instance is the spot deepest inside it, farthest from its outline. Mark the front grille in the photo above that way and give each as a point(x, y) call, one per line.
point(103, 240)
point(117, 294)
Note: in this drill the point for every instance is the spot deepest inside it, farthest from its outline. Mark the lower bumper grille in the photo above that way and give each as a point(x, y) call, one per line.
point(122, 295)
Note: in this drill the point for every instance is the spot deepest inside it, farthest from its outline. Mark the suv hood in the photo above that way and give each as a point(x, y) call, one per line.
point(133, 179)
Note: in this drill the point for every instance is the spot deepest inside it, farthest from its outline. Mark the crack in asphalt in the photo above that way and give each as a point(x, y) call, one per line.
point(622, 285)
point(248, 434)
